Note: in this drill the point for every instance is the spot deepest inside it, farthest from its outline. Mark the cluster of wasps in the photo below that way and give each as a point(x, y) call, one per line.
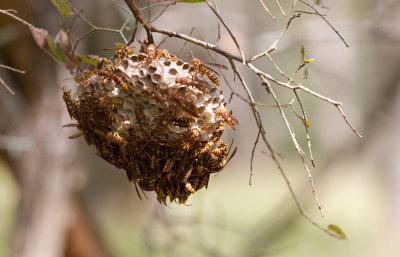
point(173, 167)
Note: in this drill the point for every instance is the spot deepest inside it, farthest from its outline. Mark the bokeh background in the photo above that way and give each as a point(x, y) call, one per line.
point(57, 198)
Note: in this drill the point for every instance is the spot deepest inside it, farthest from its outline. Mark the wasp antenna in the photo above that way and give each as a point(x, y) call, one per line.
point(67, 79)
point(112, 48)
point(70, 125)
point(230, 146)
point(62, 88)
point(76, 135)
point(158, 46)
point(233, 154)
point(141, 43)
point(137, 191)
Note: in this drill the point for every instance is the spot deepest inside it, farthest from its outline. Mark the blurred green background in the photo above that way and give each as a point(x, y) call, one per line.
point(82, 202)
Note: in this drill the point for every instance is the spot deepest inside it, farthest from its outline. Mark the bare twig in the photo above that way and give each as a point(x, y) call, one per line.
point(306, 125)
point(252, 156)
point(262, 133)
point(221, 72)
point(134, 32)
point(6, 86)
point(327, 22)
point(121, 30)
point(266, 79)
point(161, 13)
point(294, 140)
point(218, 25)
point(11, 68)
point(141, 19)
point(253, 106)
point(311, 13)
point(3, 82)
point(227, 28)
point(185, 43)
point(10, 12)
point(273, 46)
point(267, 10)
point(347, 121)
point(276, 106)
point(94, 27)
point(280, 8)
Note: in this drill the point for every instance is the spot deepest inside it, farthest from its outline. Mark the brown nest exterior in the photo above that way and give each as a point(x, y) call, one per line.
point(155, 116)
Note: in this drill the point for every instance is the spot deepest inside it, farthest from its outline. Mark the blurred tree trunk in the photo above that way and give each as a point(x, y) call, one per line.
point(46, 186)
point(49, 222)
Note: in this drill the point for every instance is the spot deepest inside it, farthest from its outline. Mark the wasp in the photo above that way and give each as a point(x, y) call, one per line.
point(152, 162)
point(227, 116)
point(187, 140)
point(195, 133)
point(211, 143)
point(182, 121)
point(164, 53)
point(72, 106)
point(216, 163)
point(142, 120)
point(169, 163)
point(104, 63)
point(194, 82)
point(119, 81)
point(219, 130)
point(153, 51)
point(122, 51)
point(207, 147)
point(220, 151)
point(188, 107)
point(85, 76)
point(115, 138)
point(201, 67)
point(108, 70)
point(112, 137)
point(188, 186)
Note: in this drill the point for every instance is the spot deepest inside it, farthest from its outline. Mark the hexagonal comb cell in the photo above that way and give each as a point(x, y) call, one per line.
point(158, 118)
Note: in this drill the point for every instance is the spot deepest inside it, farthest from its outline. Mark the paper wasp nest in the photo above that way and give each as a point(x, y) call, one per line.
point(155, 116)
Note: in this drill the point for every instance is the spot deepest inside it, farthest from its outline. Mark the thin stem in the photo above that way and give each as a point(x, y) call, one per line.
point(141, 19)
point(229, 31)
point(267, 10)
point(327, 22)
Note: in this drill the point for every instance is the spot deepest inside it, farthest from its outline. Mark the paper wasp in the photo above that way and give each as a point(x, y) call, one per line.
point(153, 51)
point(201, 67)
point(227, 116)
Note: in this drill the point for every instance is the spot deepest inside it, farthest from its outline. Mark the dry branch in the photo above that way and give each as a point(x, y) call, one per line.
point(265, 78)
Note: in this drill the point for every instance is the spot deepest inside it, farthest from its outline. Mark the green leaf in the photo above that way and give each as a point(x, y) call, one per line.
point(119, 44)
point(337, 232)
point(93, 60)
point(55, 50)
point(62, 7)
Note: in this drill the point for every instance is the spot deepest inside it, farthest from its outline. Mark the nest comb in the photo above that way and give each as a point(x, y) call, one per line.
point(155, 116)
